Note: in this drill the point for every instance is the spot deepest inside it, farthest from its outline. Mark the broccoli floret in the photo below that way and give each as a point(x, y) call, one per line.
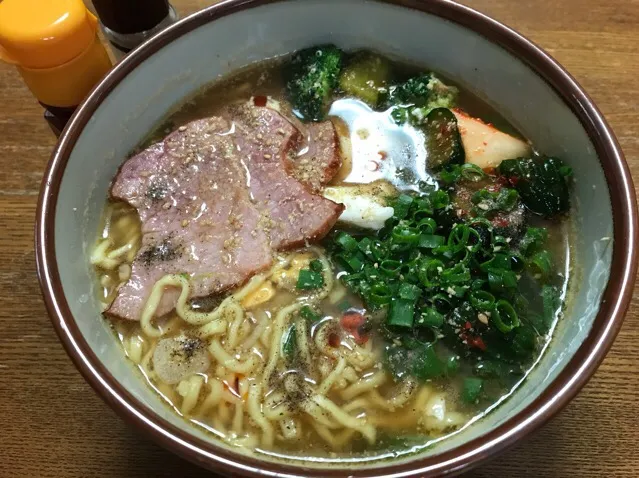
point(414, 99)
point(314, 74)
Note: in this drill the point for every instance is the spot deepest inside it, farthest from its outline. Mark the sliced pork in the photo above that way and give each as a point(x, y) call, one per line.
point(215, 200)
point(319, 160)
point(292, 214)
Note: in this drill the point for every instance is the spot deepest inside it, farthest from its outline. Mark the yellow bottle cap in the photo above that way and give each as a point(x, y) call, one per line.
point(44, 33)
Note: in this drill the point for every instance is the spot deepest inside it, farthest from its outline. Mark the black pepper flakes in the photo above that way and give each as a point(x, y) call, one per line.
point(164, 251)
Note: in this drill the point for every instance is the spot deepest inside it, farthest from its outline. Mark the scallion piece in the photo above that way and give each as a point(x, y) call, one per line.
point(405, 235)
point(290, 343)
point(472, 172)
point(482, 300)
point(541, 264)
point(379, 294)
point(504, 316)
point(409, 291)
point(309, 314)
point(309, 279)
point(347, 241)
point(390, 268)
point(471, 390)
point(430, 241)
point(401, 313)
point(430, 318)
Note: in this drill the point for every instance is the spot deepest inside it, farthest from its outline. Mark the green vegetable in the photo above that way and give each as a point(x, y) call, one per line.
point(440, 279)
point(533, 240)
point(430, 318)
point(310, 315)
point(452, 365)
point(414, 99)
point(364, 76)
point(551, 302)
point(401, 312)
point(426, 364)
point(454, 173)
point(487, 203)
point(504, 316)
point(443, 141)
point(310, 279)
point(289, 346)
point(541, 264)
point(541, 183)
point(472, 389)
point(314, 74)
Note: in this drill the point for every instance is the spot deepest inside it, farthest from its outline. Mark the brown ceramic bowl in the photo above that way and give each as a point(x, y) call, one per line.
point(521, 81)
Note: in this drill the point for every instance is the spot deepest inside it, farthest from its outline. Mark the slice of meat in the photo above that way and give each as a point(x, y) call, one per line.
point(291, 214)
point(215, 200)
point(197, 217)
point(318, 158)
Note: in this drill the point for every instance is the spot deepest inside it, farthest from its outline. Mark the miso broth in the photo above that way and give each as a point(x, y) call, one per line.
point(417, 312)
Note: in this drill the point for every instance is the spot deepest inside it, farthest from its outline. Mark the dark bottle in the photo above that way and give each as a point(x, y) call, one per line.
point(128, 23)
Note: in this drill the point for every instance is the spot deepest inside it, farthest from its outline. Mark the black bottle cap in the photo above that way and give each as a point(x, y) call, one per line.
point(131, 16)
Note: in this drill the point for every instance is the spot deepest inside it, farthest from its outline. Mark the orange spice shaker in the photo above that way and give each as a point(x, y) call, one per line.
point(55, 47)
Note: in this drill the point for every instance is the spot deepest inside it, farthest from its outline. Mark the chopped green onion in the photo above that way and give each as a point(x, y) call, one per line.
point(316, 265)
point(471, 390)
point(500, 280)
point(504, 316)
point(458, 274)
point(401, 206)
point(401, 313)
point(309, 279)
point(427, 226)
point(409, 291)
point(430, 241)
point(452, 365)
point(347, 241)
point(430, 271)
point(380, 294)
point(533, 240)
point(482, 300)
point(405, 235)
point(309, 314)
point(390, 268)
point(290, 343)
point(353, 261)
point(430, 318)
point(472, 172)
point(541, 264)
point(427, 364)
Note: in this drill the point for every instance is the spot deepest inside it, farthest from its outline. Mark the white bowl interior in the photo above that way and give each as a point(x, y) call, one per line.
point(178, 70)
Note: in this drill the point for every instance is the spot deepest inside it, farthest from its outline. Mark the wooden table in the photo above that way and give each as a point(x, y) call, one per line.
point(53, 425)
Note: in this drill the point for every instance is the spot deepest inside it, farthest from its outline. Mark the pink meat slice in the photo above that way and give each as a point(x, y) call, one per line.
point(292, 214)
point(196, 215)
point(215, 200)
point(320, 158)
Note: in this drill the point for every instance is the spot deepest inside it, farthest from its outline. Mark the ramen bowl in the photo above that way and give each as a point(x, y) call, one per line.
point(508, 72)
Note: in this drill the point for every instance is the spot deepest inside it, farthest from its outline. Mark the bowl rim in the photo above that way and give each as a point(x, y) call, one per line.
point(560, 391)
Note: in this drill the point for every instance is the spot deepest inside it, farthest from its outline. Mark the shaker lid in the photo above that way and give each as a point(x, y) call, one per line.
point(131, 16)
point(44, 33)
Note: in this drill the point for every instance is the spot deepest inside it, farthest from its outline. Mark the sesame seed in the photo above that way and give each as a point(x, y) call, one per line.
point(267, 156)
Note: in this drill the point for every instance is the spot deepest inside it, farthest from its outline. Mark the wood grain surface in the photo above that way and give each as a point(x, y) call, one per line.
point(54, 425)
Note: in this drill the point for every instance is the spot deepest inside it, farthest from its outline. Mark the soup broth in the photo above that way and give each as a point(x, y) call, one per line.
point(374, 341)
